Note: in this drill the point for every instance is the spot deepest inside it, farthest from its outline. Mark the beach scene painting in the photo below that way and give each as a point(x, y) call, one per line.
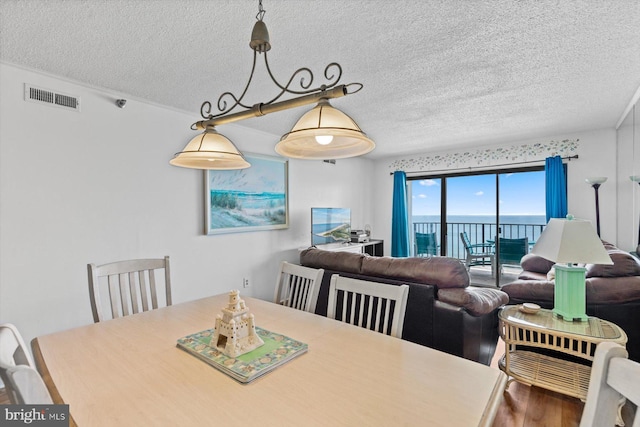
point(247, 199)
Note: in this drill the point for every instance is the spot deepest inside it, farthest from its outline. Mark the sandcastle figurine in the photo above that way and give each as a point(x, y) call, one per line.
point(235, 331)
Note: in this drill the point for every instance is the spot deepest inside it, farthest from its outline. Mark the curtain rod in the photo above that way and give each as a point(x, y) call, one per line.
point(568, 158)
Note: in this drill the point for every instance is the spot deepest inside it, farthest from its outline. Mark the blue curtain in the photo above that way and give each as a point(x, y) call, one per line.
point(400, 216)
point(555, 188)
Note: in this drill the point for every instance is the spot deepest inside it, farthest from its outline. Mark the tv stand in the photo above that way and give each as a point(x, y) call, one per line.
point(372, 247)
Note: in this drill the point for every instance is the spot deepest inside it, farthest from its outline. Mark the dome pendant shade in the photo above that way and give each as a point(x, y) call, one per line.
point(307, 139)
point(210, 150)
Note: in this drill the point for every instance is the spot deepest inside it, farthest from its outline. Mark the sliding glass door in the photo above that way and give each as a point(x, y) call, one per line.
point(470, 213)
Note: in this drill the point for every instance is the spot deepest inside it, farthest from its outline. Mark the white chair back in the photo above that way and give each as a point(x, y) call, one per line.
point(27, 386)
point(298, 286)
point(131, 286)
point(13, 352)
point(613, 378)
point(376, 306)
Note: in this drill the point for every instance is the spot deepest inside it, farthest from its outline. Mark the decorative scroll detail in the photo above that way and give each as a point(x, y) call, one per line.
point(488, 156)
point(332, 73)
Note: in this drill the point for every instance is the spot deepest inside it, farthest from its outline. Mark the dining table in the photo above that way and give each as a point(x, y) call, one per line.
point(129, 372)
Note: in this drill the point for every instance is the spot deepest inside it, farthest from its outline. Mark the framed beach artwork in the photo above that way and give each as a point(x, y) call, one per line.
point(249, 199)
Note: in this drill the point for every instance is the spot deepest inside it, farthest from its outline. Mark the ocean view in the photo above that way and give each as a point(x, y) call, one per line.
point(479, 228)
point(484, 219)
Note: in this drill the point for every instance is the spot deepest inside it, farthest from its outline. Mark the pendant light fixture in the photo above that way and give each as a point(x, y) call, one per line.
point(322, 133)
point(210, 150)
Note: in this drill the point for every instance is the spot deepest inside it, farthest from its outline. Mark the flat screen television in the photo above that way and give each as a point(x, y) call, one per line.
point(330, 225)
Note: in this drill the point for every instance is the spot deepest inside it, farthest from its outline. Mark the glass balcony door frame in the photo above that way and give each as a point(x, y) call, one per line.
point(443, 202)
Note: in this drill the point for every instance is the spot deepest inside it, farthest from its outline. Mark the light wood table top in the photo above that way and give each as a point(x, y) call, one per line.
point(129, 372)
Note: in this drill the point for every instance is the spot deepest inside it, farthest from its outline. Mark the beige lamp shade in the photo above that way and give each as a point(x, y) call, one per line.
point(324, 133)
point(571, 241)
point(210, 150)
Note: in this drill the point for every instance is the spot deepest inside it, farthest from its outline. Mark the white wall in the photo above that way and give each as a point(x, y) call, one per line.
point(96, 186)
point(628, 151)
point(597, 157)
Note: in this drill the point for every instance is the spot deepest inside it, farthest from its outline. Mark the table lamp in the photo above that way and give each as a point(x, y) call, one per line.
point(570, 241)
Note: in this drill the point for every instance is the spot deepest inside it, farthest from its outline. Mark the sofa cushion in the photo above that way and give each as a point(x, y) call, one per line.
point(613, 290)
point(530, 290)
point(339, 261)
point(477, 301)
point(624, 264)
point(442, 272)
point(536, 264)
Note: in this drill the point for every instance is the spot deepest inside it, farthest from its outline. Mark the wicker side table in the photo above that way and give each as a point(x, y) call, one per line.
point(545, 330)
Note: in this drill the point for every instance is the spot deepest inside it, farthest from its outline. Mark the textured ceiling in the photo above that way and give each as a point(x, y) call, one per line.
point(436, 74)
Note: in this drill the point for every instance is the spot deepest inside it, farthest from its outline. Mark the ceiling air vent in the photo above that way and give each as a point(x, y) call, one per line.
point(55, 99)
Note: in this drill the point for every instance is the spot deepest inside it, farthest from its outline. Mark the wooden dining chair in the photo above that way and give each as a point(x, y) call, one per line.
point(27, 385)
point(131, 286)
point(13, 352)
point(613, 378)
point(371, 305)
point(298, 286)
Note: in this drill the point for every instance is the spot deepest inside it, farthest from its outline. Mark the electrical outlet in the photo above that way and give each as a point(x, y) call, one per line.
point(245, 282)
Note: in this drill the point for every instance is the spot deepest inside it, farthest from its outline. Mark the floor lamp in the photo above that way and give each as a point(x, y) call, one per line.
point(636, 178)
point(595, 182)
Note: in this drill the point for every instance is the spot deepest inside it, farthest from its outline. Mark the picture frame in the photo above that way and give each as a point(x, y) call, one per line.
point(252, 199)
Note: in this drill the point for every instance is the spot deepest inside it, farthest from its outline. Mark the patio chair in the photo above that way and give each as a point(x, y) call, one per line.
point(124, 279)
point(511, 251)
point(477, 254)
point(426, 244)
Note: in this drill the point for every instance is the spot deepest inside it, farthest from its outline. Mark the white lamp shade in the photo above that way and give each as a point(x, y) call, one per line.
point(210, 150)
point(571, 241)
point(309, 138)
point(596, 180)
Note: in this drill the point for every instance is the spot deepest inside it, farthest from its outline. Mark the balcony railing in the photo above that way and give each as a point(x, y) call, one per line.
point(478, 233)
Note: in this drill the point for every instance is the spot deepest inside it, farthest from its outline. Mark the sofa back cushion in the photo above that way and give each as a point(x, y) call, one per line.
point(338, 261)
point(536, 264)
point(443, 272)
point(624, 264)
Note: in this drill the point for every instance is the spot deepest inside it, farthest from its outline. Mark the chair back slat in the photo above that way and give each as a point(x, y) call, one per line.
point(113, 294)
point(124, 291)
point(133, 291)
point(124, 279)
point(152, 289)
point(344, 294)
point(297, 286)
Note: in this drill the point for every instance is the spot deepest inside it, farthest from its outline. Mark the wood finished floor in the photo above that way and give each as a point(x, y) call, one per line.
point(525, 406)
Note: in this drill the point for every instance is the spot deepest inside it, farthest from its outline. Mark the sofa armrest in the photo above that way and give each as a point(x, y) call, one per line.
point(477, 301)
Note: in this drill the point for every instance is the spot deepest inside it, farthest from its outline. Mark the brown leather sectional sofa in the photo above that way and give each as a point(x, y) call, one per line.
point(613, 291)
point(443, 311)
